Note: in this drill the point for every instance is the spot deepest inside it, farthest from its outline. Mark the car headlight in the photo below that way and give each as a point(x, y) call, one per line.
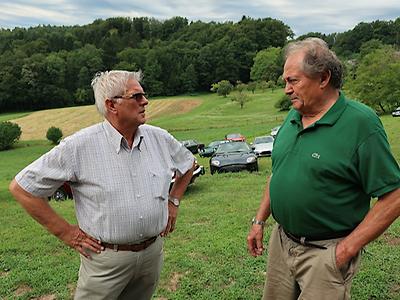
point(215, 162)
point(251, 159)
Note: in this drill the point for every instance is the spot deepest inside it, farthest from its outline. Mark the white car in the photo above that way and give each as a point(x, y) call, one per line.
point(263, 145)
point(396, 112)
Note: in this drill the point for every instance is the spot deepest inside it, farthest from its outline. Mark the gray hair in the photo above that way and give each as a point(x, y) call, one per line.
point(109, 84)
point(318, 59)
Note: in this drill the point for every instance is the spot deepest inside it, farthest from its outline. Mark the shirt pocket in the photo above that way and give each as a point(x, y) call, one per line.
point(160, 182)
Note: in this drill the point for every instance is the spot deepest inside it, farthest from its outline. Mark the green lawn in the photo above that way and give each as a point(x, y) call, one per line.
point(206, 258)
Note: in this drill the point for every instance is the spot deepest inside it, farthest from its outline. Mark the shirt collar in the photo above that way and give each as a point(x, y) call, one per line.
point(330, 117)
point(117, 140)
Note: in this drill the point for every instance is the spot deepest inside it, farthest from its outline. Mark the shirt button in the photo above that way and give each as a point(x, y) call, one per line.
point(138, 195)
point(141, 217)
point(141, 235)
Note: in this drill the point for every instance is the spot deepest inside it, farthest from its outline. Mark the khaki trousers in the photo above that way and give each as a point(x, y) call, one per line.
point(120, 275)
point(302, 272)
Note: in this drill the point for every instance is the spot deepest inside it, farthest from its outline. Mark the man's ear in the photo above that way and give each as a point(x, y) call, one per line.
point(110, 106)
point(325, 78)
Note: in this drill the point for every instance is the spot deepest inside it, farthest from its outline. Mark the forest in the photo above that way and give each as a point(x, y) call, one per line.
point(52, 66)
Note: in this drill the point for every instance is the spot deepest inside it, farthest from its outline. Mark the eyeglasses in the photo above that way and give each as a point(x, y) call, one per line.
point(136, 96)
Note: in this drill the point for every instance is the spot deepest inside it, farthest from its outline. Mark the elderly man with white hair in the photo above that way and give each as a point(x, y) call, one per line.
point(120, 172)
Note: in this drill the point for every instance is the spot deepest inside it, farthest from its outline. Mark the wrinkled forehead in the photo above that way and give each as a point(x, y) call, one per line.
point(294, 62)
point(133, 86)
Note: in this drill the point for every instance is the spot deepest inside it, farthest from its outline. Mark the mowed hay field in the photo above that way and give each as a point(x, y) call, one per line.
point(35, 125)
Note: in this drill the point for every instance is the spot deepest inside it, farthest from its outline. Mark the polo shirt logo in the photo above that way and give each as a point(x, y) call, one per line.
point(315, 155)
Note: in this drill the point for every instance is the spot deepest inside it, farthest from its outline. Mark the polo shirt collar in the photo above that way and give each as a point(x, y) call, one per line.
point(330, 117)
point(117, 140)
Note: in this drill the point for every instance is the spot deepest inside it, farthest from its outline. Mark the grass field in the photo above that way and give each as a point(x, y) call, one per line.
point(206, 258)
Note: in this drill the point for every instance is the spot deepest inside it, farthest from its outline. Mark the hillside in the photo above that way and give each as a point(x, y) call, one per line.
point(34, 126)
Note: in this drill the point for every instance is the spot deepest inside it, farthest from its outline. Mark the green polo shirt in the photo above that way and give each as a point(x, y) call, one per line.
point(325, 175)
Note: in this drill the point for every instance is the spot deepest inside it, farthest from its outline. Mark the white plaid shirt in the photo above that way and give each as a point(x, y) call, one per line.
point(120, 193)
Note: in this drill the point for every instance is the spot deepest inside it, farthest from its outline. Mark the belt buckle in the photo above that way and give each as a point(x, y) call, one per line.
point(303, 240)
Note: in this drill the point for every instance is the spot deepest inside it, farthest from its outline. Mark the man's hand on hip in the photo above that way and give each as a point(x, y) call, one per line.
point(76, 238)
point(172, 215)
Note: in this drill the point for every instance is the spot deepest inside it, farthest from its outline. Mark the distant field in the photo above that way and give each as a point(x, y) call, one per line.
point(206, 257)
point(34, 126)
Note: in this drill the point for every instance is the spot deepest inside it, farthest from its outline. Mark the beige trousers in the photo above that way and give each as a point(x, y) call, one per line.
point(301, 272)
point(120, 275)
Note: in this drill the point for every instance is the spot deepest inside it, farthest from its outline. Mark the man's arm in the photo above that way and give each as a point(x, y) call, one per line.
point(42, 212)
point(385, 211)
point(255, 237)
point(177, 191)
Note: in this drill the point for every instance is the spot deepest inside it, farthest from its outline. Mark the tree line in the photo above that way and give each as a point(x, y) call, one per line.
point(52, 66)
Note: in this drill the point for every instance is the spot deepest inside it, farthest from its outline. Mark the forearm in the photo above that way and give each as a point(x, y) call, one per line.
point(264, 209)
point(40, 210)
point(181, 183)
point(385, 211)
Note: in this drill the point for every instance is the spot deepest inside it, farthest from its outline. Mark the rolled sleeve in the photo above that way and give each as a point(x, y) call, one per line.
point(183, 159)
point(378, 169)
point(42, 177)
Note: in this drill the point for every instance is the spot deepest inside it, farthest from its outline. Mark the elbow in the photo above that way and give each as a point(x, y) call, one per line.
point(13, 187)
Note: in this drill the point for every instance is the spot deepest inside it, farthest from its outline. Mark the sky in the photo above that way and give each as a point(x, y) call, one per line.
point(302, 16)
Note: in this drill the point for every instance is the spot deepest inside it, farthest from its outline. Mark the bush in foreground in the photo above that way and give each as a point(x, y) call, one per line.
point(54, 134)
point(9, 134)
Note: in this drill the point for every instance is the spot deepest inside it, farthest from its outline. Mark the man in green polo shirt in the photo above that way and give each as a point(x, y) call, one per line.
point(330, 157)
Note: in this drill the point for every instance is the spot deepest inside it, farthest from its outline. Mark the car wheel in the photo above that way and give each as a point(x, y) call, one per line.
point(60, 195)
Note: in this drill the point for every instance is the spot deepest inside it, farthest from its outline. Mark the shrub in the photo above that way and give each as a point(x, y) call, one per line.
point(222, 88)
point(9, 134)
point(54, 134)
point(283, 103)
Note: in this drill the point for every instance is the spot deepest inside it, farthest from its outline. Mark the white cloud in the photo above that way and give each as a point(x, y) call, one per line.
point(302, 16)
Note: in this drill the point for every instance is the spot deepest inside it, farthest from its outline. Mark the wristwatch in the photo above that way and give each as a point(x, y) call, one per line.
point(257, 222)
point(175, 201)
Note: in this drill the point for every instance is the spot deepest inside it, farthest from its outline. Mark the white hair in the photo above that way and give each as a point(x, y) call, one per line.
point(109, 84)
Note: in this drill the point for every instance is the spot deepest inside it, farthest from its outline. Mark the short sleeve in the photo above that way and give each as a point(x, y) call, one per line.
point(182, 158)
point(42, 177)
point(378, 169)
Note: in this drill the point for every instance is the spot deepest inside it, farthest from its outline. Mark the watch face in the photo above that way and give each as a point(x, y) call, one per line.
point(174, 201)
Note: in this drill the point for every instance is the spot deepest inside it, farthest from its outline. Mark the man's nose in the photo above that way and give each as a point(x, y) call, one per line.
point(288, 88)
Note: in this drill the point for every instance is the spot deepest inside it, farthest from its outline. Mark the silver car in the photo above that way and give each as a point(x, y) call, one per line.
point(263, 145)
point(274, 131)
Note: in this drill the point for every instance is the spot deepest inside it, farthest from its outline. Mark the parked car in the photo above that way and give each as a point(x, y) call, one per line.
point(274, 131)
point(233, 157)
point(192, 145)
point(198, 171)
point(235, 137)
point(396, 112)
point(210, 149)
point(64, 192)
point(263, 145)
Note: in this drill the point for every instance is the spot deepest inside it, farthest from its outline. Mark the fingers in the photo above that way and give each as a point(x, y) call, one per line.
point(172, 216)
point(255, 241)
point(83, 242)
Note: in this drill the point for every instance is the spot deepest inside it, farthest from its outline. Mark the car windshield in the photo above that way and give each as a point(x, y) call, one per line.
point(233, 136)
point(233, 147)
point(263, 139)
point(214, 144)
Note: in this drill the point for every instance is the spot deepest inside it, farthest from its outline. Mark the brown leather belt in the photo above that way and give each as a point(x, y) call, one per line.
point(134, 247)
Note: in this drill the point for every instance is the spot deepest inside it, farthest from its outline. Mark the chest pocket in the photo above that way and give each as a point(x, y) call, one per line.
point(159, 184)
